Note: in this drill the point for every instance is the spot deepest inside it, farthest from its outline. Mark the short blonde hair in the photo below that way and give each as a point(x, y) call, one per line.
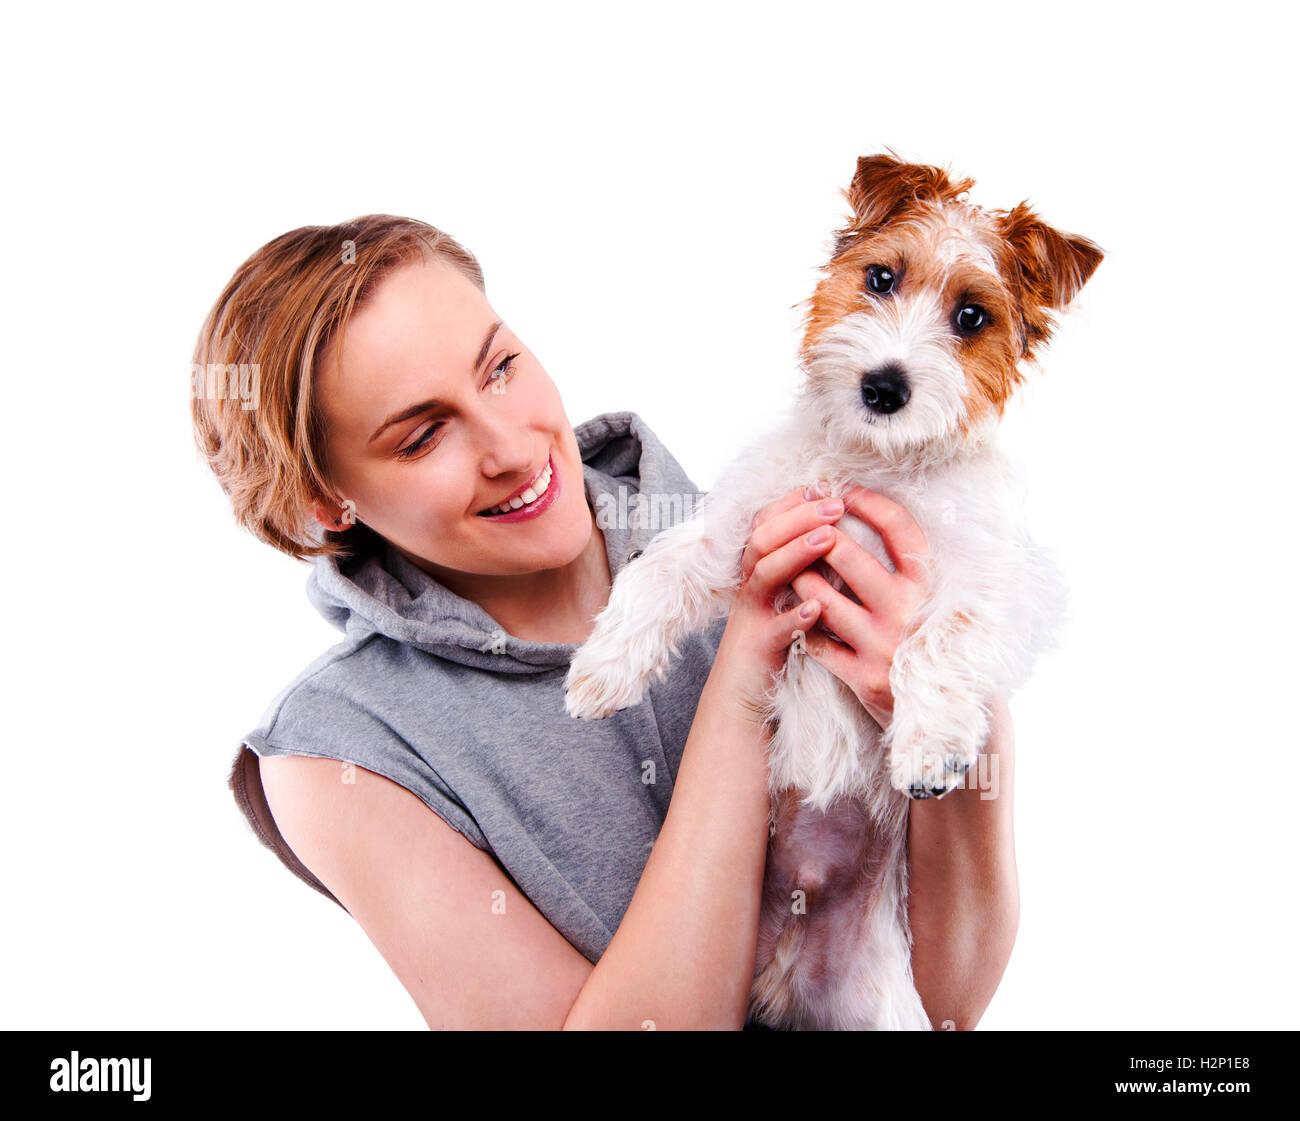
point(267, 331)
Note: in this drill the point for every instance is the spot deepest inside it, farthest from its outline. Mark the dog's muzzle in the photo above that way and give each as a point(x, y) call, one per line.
point(885, 390)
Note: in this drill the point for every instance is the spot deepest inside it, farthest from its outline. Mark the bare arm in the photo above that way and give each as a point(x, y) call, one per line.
point(426, 898)
point(964, 895)
point(683, 955)
point(471, 949)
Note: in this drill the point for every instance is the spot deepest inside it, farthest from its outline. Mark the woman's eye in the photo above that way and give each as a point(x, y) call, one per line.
point(880, 279)
point(499, 376)
point(409, 451)
point(503, 370)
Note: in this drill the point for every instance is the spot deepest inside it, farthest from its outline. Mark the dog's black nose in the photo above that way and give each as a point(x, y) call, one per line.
point(885, 390)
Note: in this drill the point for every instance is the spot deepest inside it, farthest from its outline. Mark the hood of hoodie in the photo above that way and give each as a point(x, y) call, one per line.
point(379, 592)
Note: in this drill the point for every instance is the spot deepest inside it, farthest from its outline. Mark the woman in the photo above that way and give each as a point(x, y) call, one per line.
point(517, 868)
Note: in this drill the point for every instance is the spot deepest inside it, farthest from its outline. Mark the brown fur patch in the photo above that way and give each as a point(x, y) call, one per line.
point(913, 248)
point(902, 214)
point(1045, 269)
point(884, 188)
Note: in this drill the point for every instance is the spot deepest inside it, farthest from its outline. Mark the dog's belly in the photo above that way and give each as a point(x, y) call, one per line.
point(819, 883)
point(832, 950)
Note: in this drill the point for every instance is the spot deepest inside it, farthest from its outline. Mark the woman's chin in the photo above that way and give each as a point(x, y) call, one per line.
point(571, 538)
point(557, 538)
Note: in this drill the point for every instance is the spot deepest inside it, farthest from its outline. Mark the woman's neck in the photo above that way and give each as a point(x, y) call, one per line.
point(554, 605)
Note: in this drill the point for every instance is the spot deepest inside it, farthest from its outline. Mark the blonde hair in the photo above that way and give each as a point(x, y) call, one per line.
point(267, 331)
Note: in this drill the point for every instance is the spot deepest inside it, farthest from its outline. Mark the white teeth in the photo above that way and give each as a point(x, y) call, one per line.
point(532, 494)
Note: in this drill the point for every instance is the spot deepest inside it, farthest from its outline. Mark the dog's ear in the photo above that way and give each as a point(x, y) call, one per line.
point(1049, 266)
point(884, 188)
point(1046, 268)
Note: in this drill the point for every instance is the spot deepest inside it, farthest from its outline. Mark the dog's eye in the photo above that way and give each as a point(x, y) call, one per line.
point(972, 317)
point(880, 279)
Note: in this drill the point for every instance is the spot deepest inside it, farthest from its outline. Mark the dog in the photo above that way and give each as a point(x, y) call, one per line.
point(913, 344)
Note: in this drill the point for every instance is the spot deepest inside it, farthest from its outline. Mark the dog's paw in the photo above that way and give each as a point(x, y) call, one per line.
point(929, 770)
point(930, 747)
point(596, 689)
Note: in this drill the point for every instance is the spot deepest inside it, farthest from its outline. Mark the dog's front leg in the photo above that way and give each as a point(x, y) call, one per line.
point(685, 579)
point(942, 678)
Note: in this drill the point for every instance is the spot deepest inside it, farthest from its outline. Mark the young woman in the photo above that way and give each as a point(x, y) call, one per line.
point(517, 868)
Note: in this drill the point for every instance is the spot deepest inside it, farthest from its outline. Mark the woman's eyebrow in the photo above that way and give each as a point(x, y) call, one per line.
point(433, 402)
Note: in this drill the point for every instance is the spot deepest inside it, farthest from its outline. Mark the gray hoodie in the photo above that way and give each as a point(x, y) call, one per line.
point(429, 691)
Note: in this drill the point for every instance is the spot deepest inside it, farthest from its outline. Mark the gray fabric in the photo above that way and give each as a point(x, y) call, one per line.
point(427, 690)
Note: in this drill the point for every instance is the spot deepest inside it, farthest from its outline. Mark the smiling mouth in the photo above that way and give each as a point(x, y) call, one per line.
point(540, 484)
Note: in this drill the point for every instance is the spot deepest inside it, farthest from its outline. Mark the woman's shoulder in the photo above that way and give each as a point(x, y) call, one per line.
point(353, 705)
point(339, 676)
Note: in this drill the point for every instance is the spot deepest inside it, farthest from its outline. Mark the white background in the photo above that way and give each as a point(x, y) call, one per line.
point(650, 191)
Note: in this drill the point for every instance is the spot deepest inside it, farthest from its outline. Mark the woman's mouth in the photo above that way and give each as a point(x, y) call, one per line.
point(534, 499)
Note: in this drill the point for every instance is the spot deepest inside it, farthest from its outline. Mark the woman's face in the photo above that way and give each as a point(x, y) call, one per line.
point(435, 414)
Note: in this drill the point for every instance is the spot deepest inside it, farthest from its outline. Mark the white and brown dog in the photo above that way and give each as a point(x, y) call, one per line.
point(912, 348)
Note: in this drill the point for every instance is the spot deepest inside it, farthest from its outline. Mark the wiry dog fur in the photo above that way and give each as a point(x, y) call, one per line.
point(913, 345)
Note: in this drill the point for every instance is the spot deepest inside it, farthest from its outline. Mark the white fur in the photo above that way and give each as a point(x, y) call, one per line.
point(983, 567)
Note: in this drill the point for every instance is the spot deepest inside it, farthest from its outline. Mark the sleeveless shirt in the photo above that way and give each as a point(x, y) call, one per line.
point(427, 690)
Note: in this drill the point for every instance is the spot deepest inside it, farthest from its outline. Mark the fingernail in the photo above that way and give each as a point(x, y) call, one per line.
point(831, 506)
point(818, 536)
point(808, 610)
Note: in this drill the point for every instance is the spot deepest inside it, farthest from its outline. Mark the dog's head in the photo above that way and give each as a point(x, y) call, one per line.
point(916, 333)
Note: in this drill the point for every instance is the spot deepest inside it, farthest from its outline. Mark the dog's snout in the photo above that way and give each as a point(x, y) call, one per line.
point(885, 390)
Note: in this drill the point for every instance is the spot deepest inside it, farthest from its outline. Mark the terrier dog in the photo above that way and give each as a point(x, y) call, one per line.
point(913, 343)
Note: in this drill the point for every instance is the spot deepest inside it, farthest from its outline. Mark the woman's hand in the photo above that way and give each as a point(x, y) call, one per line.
point(873, 629)
point(754, 645)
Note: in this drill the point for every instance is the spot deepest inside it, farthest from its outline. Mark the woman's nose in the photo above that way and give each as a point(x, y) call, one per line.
point(507, 447)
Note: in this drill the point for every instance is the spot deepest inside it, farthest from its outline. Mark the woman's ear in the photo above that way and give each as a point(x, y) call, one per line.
point(335, 516)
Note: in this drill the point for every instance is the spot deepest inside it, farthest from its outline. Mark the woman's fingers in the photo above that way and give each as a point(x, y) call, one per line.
point(779, 567)
point(868, 677)
point(797, 513)
point(841, 660)
point(810, 493)
point(779, 523)
point(786, 627)
point(851, 621)
point(903, 539)
point(787, 526)
point(868, 579)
